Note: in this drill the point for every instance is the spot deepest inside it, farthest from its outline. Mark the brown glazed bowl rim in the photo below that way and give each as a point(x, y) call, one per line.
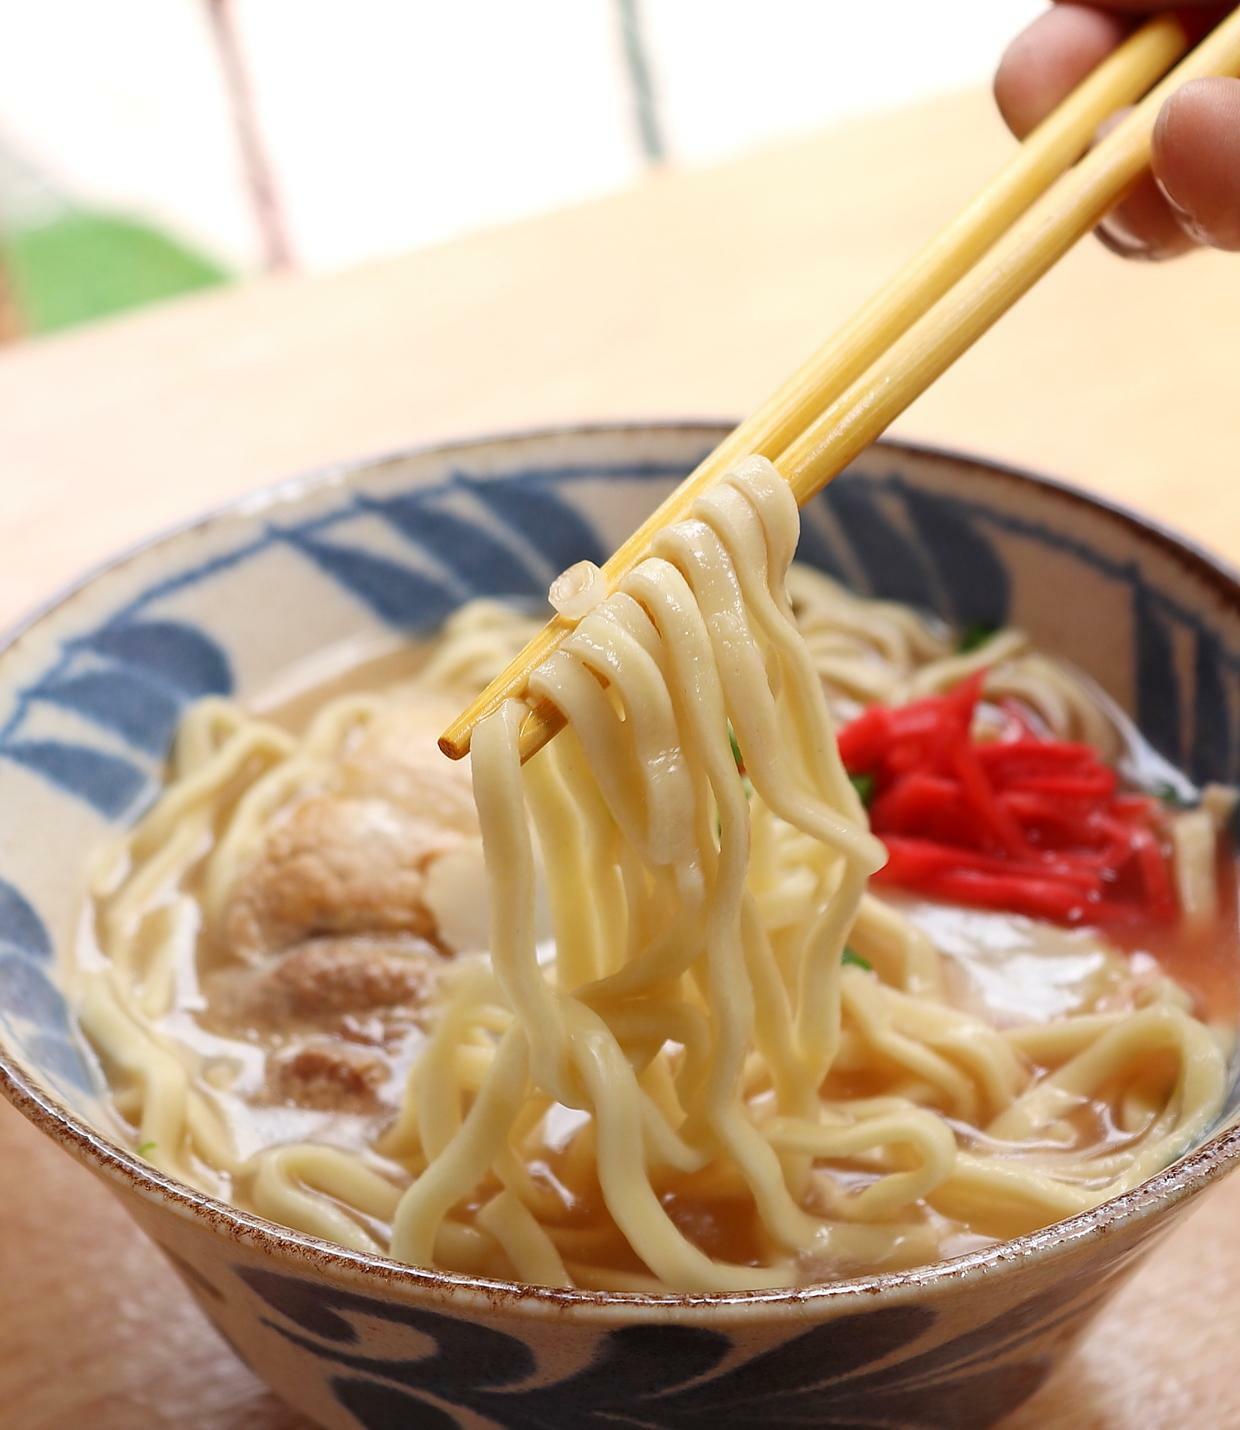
point(1189, 1174)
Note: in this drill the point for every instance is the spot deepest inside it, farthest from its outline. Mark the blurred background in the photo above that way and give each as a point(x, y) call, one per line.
point(152, 147)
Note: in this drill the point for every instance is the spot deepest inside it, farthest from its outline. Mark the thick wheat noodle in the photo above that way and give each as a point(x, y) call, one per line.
point(583, 1060)
point(695, 1018)
point(1193, 839)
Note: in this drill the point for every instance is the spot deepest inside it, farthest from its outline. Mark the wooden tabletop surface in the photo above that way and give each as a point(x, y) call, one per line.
point(689, 296)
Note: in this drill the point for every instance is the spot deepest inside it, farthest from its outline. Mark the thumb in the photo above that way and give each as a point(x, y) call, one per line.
point(1196, 159)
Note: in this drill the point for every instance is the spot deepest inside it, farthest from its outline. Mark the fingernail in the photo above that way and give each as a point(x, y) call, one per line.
point(1119, 240)
point(1178, 208)
point(1187, 222)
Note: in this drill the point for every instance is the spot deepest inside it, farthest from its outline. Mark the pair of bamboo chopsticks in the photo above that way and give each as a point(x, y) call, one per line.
point(913, 329)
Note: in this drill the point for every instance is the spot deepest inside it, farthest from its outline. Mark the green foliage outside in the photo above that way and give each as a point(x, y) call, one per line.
point(80, 266)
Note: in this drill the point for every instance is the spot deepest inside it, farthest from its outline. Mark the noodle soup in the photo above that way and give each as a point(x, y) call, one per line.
point(824, 940)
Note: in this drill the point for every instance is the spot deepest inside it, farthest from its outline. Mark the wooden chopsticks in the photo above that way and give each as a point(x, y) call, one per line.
point(928, 315)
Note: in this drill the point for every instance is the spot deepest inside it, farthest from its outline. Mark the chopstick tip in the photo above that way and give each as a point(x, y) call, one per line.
point(453, 746)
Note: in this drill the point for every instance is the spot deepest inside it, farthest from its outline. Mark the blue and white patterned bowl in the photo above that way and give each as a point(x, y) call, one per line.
point(91, 690)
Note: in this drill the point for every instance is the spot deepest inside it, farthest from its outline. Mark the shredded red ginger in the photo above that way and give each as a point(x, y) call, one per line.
point(1015, 822)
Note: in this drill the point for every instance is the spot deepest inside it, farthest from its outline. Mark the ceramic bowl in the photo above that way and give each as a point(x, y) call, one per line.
point(92, 688)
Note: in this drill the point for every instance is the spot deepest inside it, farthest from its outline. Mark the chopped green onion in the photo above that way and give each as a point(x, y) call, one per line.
point(975, 634)
point(144, 1147)
point(746, 782)
point(852, 959)
point(736, 749)
point(864, 785)
point(1170, 795)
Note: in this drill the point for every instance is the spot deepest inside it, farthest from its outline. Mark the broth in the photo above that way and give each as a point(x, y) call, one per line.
point(266, 1067)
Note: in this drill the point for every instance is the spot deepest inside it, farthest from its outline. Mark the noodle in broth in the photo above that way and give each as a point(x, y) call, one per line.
point(695, 1051)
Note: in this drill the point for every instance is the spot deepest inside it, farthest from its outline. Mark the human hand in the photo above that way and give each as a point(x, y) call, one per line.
point(1191, 197)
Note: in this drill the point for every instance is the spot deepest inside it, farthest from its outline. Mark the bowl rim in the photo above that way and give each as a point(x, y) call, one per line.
point(1185, 1177)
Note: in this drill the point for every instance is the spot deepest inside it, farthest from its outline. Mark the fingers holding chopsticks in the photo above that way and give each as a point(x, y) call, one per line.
point(1192, 197)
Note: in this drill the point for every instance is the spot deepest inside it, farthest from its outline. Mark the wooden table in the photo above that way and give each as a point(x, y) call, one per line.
point(691, 295)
